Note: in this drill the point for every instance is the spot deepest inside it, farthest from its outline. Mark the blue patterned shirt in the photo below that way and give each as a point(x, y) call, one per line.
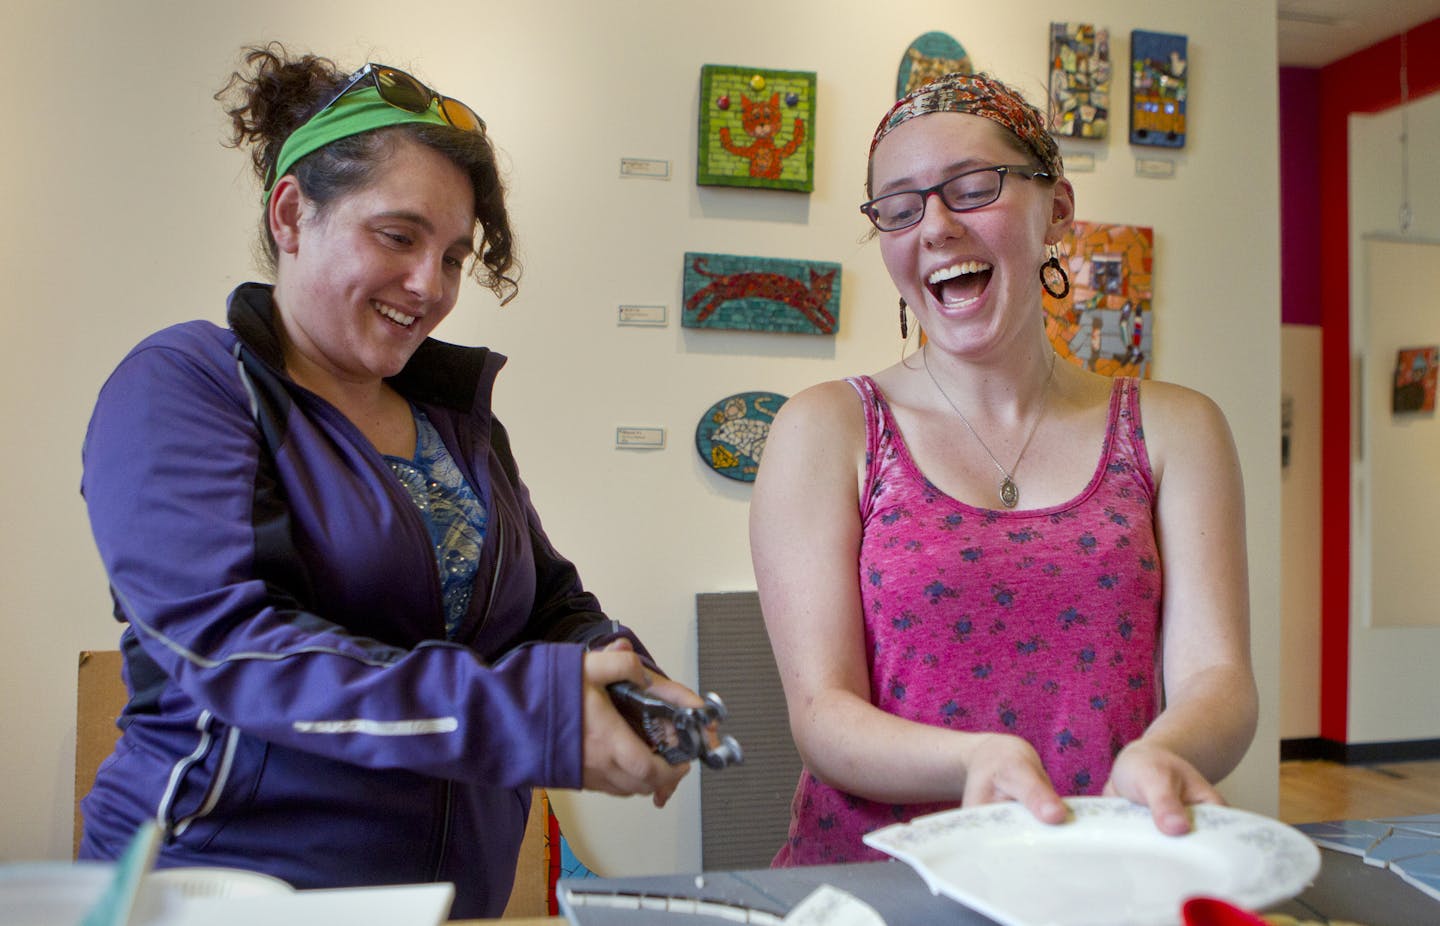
point(454, 515)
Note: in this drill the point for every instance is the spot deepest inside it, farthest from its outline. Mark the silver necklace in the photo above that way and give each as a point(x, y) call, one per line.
point(1009, 491)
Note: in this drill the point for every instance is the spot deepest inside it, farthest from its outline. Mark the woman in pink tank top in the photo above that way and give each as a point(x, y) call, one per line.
point(983, 578)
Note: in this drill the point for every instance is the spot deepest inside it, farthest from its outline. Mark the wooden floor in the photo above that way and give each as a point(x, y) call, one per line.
point(1315, 790)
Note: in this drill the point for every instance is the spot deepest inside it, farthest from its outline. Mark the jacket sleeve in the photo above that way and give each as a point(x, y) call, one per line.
point(172, 474)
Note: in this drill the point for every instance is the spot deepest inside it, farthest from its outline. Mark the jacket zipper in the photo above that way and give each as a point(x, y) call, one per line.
point(446, 804)
point(494, 576)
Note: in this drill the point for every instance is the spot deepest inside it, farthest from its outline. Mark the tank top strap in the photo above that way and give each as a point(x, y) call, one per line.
point(1125, 434)
point(877, 435)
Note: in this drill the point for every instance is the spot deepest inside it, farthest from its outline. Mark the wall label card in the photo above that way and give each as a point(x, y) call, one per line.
point(1154, 168)
point(648, 168)
point(642, 316)
point(639, 438)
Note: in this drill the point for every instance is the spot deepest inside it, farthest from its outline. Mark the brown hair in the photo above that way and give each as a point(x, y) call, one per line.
point(276, 94)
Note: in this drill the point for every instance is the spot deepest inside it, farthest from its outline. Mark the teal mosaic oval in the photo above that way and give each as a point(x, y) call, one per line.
point(929, 56)
point(731, 435)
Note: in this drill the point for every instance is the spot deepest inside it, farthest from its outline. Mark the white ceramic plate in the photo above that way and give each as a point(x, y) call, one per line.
point(47, 893)
point(51, 893)
point(216, 882)
point(1107, 866)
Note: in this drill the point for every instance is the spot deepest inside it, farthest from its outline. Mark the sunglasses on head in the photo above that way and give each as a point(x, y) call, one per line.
point(403, 91)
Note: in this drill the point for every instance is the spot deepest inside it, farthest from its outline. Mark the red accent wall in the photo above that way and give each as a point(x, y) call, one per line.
point(1299, 195)
point(1366, 82)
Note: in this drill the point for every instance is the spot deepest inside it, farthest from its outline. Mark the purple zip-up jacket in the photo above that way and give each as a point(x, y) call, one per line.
point(295, 707)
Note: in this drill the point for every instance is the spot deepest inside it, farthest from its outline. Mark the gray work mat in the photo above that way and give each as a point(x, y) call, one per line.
point(892, 888)
point(1346, 889)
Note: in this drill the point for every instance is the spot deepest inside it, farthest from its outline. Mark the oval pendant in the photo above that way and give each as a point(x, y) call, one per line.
point(1009, 493)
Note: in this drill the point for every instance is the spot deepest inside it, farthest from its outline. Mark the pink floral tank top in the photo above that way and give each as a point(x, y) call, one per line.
point(1040, 623)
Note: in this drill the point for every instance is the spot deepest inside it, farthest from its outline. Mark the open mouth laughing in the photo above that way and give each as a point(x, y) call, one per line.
point(959, 284)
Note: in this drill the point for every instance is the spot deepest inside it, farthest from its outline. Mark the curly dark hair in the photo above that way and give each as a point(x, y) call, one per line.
point(275, 93)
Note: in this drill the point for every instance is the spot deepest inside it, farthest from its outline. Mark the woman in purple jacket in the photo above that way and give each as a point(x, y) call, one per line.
point(351, 649)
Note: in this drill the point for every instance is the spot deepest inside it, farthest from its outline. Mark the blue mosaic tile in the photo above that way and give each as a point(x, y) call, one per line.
point(1425, 866)
point(1399, 845)
point(1352, 836)
point(1421, 872)
point(1425, 823)
point(1408, 846)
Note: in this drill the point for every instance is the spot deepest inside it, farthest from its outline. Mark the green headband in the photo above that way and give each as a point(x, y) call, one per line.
point(355, 112)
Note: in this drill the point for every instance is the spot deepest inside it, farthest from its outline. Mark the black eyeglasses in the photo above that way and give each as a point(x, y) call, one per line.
point(405, 92)
point(960, 193)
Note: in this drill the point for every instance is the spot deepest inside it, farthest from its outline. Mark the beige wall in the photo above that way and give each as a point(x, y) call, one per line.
point(123, 213)
point(1300, 536)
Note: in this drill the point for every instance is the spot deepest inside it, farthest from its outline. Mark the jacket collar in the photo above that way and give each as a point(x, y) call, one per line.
point(449, 375)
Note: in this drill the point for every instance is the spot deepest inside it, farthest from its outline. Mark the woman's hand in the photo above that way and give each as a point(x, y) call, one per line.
point(1163, 781)
point(1006, 768)
point(616, 760)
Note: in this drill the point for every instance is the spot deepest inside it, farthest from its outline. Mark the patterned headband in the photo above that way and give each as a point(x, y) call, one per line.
point(978, 95)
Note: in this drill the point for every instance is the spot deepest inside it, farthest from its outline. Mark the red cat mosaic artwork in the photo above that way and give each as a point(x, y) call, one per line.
point(762, 121)
point(809, 301)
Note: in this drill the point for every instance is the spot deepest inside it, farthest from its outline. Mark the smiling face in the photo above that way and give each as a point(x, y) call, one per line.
point(972, 278)
point(362, 283)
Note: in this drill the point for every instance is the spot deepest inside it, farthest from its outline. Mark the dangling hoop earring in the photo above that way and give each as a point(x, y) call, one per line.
point(904, 325)
point(1052, 269)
